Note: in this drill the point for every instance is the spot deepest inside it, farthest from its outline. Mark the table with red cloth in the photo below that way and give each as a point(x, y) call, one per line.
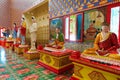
point(56, 60)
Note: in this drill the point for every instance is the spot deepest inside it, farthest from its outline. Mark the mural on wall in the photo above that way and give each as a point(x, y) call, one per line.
point(92, 22)
point(42, 18)
point(55, 23)
point(63, 7)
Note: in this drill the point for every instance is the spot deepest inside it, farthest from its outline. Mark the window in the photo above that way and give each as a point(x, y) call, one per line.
point(67, 28)
point(115, 19)
point(74, 27)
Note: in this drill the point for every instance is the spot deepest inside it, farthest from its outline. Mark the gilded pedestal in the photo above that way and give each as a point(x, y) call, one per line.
point(21, 48)
point(85, 69)
point(32, 55)
point(57, 62)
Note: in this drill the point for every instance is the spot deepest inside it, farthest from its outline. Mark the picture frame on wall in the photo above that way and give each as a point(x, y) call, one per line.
point(55, 23)
point(92, 23)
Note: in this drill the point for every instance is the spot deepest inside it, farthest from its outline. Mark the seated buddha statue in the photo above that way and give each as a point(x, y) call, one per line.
point(105, 43)
point(58, 39)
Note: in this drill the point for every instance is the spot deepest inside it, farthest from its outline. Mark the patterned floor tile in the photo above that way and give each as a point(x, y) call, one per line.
point(16, 67)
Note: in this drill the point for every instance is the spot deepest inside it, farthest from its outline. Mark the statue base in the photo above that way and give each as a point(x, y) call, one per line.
point(21, 48)
point(56, 61)
point(85, 69)
point(31, 54)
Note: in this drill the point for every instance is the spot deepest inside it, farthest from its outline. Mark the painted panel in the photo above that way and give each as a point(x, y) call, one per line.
point(63, 7)
point(55, 23)
point(92, 22)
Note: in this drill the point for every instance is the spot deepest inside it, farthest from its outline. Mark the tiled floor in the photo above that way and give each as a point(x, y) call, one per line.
point(16, 67)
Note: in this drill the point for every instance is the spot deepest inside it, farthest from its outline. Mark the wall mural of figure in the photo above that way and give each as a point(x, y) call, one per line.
point(92, 22)
point(56, 35)
point(54, 23)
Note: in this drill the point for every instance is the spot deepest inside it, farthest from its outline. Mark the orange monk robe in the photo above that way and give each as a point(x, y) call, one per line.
point(107, 42)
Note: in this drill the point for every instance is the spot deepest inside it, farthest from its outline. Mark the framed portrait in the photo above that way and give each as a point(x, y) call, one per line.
point(55, 23)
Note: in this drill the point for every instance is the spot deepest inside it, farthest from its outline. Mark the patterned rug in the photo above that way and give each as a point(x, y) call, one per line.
point(16, 67)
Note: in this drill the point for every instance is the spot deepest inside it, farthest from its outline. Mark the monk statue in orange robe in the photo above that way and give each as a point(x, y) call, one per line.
point(106, 42)
point(58, 39)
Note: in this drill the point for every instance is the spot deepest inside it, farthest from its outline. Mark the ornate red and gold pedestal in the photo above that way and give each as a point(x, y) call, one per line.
point(15, 47)
point(57, 62)
point(21, 48)
point(9, 43)
point(85, 69)
point(32, 55)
